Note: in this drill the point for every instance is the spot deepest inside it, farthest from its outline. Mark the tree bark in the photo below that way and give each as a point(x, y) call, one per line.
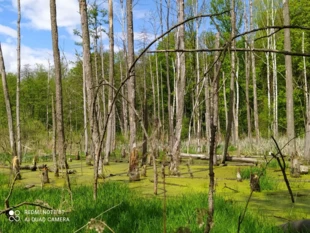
point(307, 128)
point(58, 86)
point(256, 123)
point(61, 147)
point(108, 145)
point(7, 105)
point(180, 86)
point(91, 99)
point(289, 83)
point(55, 160)
point(18, 137)
point(131, 81)
point(232, 82)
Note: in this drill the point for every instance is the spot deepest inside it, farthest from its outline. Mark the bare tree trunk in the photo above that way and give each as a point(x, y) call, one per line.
point(180, 86)
point(153, 90)
point(197, 86)
point(18, 139)
point(274, 74)
point(85, 114)
point(55, 160)
point(58, 85)
point(207, 103)
point(247, 75)
point(124, 93)
point(213, 143)
point(256, 123)
point(236, 114)
point(108, 144)
point(145, 117)
point(131, 84)
point(289, 82)
point(7, 105)
point(61, 147)
point(170, 105)
point(91, 100)
point(232, 83)
point(307, 128)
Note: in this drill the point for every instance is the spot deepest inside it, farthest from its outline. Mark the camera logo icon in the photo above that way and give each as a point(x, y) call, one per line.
point(14, 215)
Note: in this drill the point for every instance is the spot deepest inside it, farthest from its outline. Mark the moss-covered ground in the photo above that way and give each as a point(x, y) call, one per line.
point(272, 203)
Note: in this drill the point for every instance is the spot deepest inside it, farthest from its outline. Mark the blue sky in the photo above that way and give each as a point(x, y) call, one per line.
point(35, 28)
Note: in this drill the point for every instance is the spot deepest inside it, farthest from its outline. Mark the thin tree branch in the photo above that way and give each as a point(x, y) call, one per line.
point(235, 49)
point(282, 166)
point(99, 216)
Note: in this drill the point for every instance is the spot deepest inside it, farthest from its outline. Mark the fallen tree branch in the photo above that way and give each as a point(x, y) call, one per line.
point(7, 204)
point(219, 157)
point(98, 217)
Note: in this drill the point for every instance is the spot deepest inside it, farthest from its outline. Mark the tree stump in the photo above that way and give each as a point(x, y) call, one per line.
point(16, 167)
point(45, 178)
point(89, 160)
point(254, 183)
point(134, 174)
point(295, 167)
point(77, 157)
point(143, 173)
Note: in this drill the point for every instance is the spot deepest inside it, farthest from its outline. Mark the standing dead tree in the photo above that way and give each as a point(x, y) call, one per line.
point(7, 105)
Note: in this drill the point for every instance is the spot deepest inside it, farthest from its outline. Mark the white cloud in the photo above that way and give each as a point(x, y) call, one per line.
point(37, 12)
point(29, 56)
point(8, 31)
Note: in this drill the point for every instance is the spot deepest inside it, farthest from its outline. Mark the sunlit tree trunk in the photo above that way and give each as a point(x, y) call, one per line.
point(170, 104)
point(61, 151)
point(55, 160)
point(232, 83)
point(18, 138)
point(214, 117)
point(131, 81)
point(256, 123)
point(91, 104)
point(180, 86)
point(274, 74)
point(289, 81)
point(85, 114)
point(61, 148)
point(307, 128)
point(247, 75)
point(7, 105)
point(108, 145)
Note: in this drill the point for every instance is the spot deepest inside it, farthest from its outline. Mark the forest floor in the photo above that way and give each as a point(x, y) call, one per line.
point(274, 202)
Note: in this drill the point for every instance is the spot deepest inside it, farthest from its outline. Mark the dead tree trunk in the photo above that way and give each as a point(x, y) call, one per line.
point(180, 86)
point(18, 137)
point(91, 98)
point(7, 105)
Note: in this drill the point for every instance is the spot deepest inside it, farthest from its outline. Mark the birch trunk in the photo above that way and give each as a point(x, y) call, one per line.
point(18, 138)
point(180, 86)
point(256, 123)
point(108, 144)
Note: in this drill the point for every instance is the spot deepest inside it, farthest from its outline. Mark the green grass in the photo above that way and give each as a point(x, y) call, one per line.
point(135, 214)
point(266, 182)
